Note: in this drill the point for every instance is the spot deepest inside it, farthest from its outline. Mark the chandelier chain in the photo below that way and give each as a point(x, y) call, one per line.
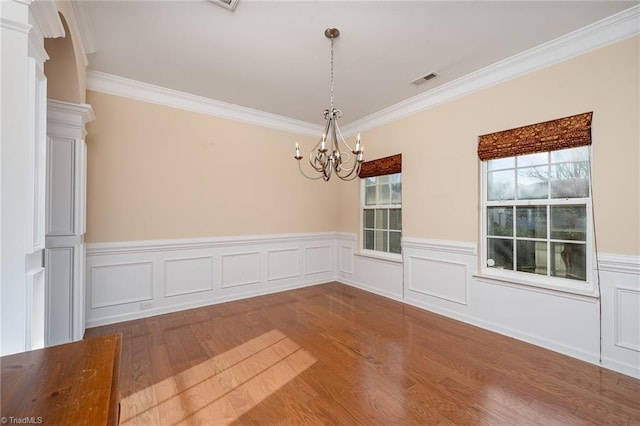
point(332, 73)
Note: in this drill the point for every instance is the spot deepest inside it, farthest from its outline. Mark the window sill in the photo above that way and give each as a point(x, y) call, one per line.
point(389, 257)
point(566, 292)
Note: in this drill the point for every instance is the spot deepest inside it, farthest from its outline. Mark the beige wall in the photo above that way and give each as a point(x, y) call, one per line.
point(156, 172)
point(441, 168)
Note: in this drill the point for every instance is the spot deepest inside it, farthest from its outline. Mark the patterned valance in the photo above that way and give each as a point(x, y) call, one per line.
point(567, 132)
point(381, 166)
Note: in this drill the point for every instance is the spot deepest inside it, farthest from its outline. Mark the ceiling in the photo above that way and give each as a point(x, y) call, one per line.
point(273, 56)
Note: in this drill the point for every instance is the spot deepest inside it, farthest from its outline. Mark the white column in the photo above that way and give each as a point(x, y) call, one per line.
point(14, 23)
point(65, 220)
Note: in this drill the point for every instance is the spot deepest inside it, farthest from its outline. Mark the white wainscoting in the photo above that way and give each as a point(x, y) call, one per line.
point(620, 278)
point(439, 276)
point(377, 275)
point(138, 279)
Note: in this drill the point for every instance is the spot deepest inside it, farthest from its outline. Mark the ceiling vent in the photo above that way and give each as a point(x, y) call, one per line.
point(227, 4)
point(424, 78)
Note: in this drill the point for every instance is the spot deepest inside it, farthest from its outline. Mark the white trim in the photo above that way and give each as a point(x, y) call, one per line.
point(566, 292)
point(69, 114)
point(618, 321)
point(621, 367)
point(84, 28)
point(15, 26)
point(508, 331)
point(120, 86)
point(462, 266)
point(380, 255)
point(149, 246)
point(45, 15)
point(597, 35)
point(619, 263)
point(458, 247)
point(383, 293)
point(36, 44)
point(348, 236)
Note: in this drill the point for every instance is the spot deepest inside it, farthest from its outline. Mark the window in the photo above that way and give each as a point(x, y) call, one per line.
point(382, 213)
point(537, 217)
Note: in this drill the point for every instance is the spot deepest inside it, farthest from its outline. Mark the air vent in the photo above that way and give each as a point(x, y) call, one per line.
point(424, 78)
point(227, 4)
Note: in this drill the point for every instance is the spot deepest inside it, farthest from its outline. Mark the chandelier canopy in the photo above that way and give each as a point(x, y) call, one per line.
point(332, 154)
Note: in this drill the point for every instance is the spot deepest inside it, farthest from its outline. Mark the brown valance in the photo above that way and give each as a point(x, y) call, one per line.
point(381, 166)
point(567, 132)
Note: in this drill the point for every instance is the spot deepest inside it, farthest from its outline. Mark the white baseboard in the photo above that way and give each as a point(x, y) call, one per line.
point(510, 332)
point(371, 289)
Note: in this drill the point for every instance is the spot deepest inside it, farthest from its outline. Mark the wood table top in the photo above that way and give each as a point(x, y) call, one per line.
point(74, 383)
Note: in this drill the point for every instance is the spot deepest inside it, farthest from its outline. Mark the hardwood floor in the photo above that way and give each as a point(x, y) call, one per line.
point(332, 354)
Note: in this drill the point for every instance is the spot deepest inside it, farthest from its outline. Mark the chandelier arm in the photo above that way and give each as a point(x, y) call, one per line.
point(348, 161)
point(334, 134)
point(352, 175)
point(326, 172)
point(305, 175)
point(342, 137)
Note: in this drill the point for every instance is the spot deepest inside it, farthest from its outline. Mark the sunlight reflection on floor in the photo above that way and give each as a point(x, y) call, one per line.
point(220, 389)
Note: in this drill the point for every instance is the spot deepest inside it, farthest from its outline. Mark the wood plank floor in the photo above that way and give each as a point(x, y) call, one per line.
point(332, 354)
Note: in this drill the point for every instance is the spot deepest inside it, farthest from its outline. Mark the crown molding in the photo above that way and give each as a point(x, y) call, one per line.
point(46, 18)
point(119, 86)
point(84, 27)
point(610, 30)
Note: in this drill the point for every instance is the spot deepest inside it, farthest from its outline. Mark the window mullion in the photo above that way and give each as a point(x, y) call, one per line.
point(549, 254)
point(514, 239)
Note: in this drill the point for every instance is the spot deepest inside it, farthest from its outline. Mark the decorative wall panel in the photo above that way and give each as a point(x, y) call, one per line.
point(188, 275)
point(121, 283)
point(240, 269)
point(627, 318)
point(318, 259)
point(439, 278)
point(283, 263)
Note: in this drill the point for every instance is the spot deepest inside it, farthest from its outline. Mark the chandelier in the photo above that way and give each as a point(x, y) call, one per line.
point(332, 154)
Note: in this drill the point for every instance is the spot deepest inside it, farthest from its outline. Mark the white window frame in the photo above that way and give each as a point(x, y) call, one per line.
point(556, 284)
point(395, 257)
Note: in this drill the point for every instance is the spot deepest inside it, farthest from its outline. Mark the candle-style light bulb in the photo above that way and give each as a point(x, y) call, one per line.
point(323, 147)
point(297, 156)
point(357, 144)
